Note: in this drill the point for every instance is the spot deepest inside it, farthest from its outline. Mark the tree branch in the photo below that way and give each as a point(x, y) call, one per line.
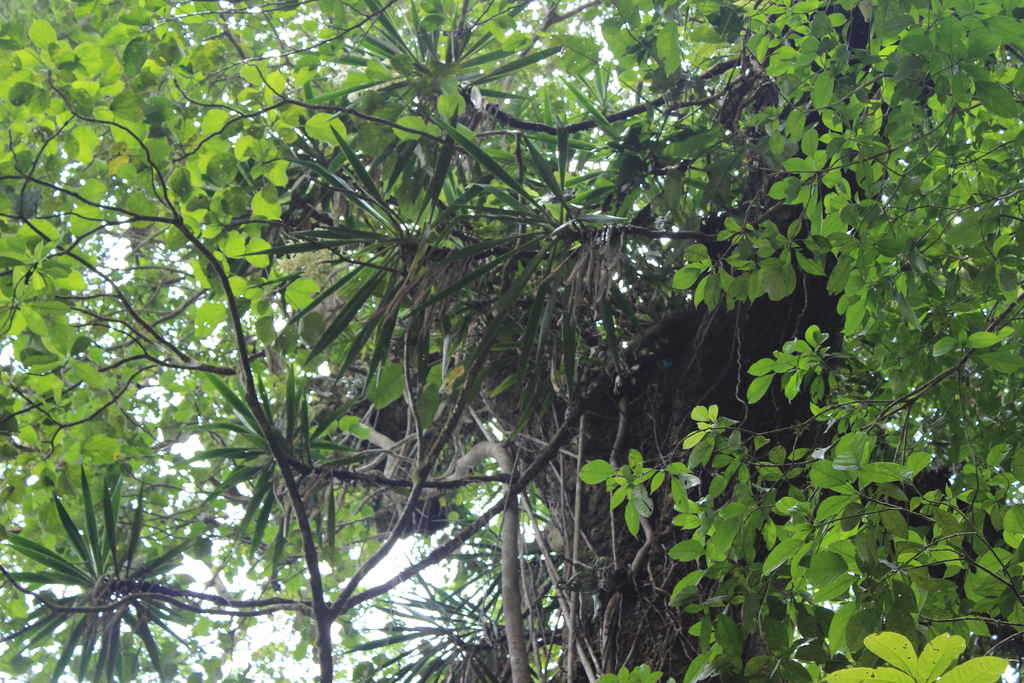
point(520, 124)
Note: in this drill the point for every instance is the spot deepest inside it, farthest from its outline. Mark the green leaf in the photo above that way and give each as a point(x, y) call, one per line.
point(728, 637)
point(387, 386)
point(41, 33)
point(134, 56)
point(894, 649)
point(596, 471)
point(997, 99)
point(858, 674)
point(977, 670)
point(1002, 361)
point(781, 553)
point(937, 655)
point(641, 500)
point(981, 340)
point(325, 128)
point(826, 568)
point(632, 520)
point(20, 93)
point(88, 374)
point(686, 551)
point(758, 388)
point(111, 510)
point(450, 104)
point(778, 278)
point(824, 86)
point(668, 47)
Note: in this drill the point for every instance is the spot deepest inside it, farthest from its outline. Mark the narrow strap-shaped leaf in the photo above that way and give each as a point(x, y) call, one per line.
point(73, 535)
point(338, 94)
point(345, 315)
point(331, 289)
point(290, 408)
point(103, 657)
point(45, 627)
point(529, 241)
point(406, 152)
point(458, 204)
point(374, 207)
point(569, 340)
point(240, 474)
point(611, 337)
point(485, 160)
point(563, 151)
point(135, 533)
point(237, 405)
point(437, 181)
point(383, 342)
point(48, 558)
point(90, 526)
point(151, 647)
point(356, 164)
point(68, 649)
point(261, 523)
point(304, 429)
point(328, 421)
point(230, 452)
point(515, 209)
point(529, 337)
point(544, 169)
point(265, 404)
point(167, 560)
point(385, 642)
point(259, 491)
point(280, 541)
point(356, 347)
point(112, 500)
point(469, 251)
point(326, 174)
point(387, 24)
point(486, 58)
point(538, 403)
point(549, 308)
point(45, 578)
point(458, 285)
point(626, 307)
point(515, 65)
point(594, 112)
point(87, 649)
point(331, 522)
point(114, 659)
point(505, 304)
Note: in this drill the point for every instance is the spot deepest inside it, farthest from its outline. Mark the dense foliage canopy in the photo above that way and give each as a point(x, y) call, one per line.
point(511, 340)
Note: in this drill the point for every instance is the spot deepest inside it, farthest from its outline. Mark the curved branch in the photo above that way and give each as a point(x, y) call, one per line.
point(455, 542)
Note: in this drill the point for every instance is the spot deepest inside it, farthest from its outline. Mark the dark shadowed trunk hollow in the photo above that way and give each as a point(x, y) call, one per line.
point(691, 358)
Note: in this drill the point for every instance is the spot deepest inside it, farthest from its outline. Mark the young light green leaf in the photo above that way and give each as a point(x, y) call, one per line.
point(894, 648)
point(937, 655)
point(977, 670)
point(882, 674)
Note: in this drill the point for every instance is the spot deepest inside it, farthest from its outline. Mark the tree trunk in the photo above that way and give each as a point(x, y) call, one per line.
point(692, 358)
